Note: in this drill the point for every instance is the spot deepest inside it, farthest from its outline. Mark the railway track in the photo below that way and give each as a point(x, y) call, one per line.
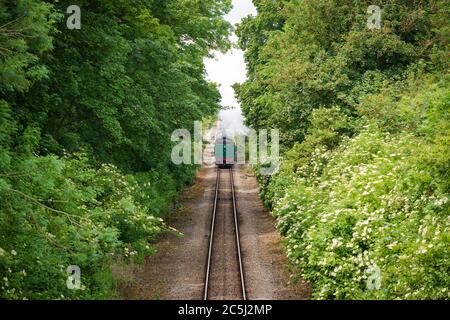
point(224, 276)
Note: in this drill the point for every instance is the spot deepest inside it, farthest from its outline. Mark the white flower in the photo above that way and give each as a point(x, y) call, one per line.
point(2, 252)
point(13, 252)
point(392, 245)
point(335, 243)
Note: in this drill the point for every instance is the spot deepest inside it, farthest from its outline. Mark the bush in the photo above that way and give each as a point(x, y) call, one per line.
point(58, 212)
point(378, 200)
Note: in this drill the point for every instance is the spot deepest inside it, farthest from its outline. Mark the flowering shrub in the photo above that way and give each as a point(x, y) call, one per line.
point(362, 194)
point(71, 214)
point(376, 200)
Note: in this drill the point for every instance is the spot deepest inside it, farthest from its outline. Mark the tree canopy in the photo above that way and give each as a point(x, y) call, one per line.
point(362, 194)
point(86, 117)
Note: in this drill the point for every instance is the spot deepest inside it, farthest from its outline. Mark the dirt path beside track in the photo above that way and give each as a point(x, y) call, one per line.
point(177, 270)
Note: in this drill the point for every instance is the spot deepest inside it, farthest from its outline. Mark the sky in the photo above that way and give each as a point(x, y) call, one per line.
point(228, 69)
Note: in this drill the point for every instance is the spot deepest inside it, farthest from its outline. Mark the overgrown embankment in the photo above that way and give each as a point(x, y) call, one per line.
point(362, 195)
point(86, 118)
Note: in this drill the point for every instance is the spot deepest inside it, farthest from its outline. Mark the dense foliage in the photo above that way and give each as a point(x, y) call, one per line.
point(364, 118)
point(86, 118)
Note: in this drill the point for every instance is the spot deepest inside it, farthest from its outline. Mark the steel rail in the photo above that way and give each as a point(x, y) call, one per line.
point(211, 237)
point(238, 240)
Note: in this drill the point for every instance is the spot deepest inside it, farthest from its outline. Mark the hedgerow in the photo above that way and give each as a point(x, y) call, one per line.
point(362, 193)
point(378, 199)
point(86, 117)
point(58, 212)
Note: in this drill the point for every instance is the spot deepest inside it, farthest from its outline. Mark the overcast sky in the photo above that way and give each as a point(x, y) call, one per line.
point(228, 69)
